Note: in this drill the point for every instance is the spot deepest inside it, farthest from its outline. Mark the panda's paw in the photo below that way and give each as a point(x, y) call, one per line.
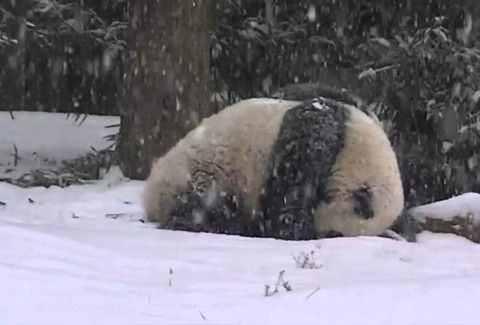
point(296, 225)
point(329, 234)
point(392, 235)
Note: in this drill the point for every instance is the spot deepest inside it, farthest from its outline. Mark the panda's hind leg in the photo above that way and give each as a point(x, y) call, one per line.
point(206, 207)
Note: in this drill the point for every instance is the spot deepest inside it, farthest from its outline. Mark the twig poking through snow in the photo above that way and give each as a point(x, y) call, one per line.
point(312, 293)
point(280, 282)
point(125, 216)
point(170, 277)
point(306, 261)
point(15, 156)
point(287, 286)
point(267, 291)
point(114, 215)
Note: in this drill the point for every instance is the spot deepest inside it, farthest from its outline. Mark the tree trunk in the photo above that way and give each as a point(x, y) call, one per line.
point(166, 91)
point(12, 55)
point(270, 12)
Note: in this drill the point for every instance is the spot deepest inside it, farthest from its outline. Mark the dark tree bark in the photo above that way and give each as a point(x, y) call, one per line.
point(166, 91)
point(12, 55)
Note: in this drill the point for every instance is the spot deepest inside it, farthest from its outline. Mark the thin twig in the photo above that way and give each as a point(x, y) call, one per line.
point(280, 282)
point(15, 156)
point(312, 293)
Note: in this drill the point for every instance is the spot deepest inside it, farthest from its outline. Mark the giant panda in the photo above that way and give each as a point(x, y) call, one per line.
point(279, 168)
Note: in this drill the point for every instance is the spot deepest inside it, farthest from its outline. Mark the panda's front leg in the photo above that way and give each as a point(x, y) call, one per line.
point(206, 207)
point(329, 234)
point(301, 225)
point(293, 224)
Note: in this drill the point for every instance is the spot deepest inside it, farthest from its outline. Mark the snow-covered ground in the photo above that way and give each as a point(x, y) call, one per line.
point(81, 255)
point(42, 140)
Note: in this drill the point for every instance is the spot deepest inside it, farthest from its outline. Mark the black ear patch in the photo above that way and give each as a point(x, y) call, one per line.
point(362, 202)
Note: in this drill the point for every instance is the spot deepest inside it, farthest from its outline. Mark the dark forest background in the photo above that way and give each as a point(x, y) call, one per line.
point(415, 64)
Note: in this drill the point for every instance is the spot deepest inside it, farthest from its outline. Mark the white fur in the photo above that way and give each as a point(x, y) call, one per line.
point(366, 158)
point(234, 146)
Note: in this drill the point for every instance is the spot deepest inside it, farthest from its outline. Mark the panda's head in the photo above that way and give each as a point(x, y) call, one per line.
point(331, 160)
point(364, 193)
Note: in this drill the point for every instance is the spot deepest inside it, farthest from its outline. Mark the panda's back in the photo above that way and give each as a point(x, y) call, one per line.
point(235, 146)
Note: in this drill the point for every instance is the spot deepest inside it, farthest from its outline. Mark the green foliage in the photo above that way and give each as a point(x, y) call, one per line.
point(74, 54)
point(425, 85)
point(252, 56)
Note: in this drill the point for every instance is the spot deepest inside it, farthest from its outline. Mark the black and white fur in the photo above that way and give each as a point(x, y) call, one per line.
point(279, 168)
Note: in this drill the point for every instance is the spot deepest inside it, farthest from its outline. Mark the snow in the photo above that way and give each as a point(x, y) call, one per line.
point(81, 255)
point(458, 206)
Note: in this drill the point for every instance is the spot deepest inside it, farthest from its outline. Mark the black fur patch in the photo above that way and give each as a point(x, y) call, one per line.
point(309, 140)
point(330, 234)
point(206, 209)
point(362, 202)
